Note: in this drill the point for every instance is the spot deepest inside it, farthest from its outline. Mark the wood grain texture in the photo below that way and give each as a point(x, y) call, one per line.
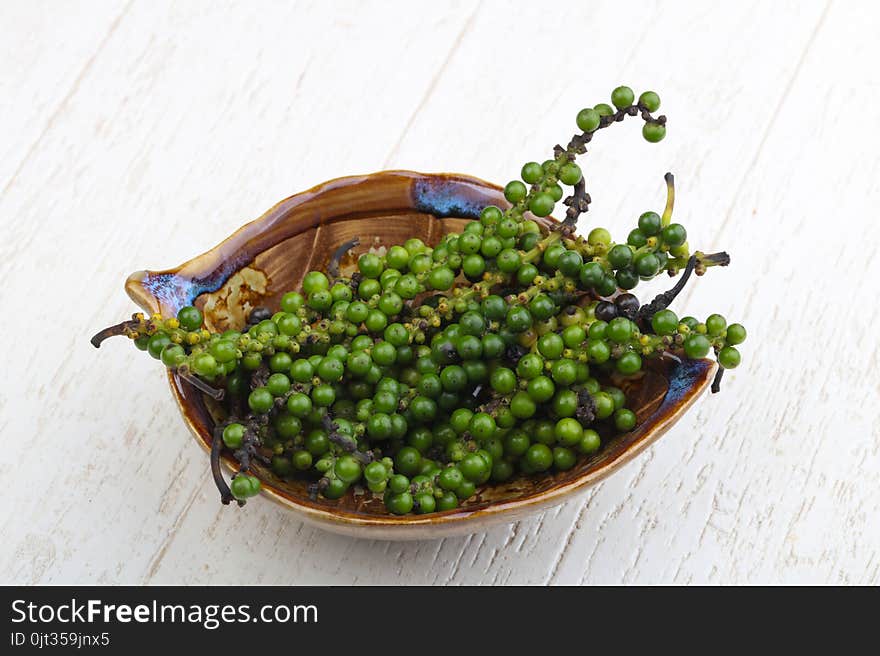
point(138, 134)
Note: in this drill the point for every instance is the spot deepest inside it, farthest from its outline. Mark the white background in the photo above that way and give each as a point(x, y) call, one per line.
point(138, 134)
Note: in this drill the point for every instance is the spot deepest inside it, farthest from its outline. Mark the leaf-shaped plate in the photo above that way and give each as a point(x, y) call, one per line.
point(270, 255)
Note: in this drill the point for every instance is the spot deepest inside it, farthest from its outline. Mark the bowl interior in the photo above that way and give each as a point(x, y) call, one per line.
point(270, 256)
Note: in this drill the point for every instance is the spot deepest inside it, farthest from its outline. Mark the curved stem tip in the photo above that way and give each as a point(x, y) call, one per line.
point(199, 384)
point(670, 199)
point(216, 446)
point(123, 328)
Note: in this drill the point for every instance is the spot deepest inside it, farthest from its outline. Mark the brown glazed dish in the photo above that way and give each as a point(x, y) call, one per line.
point(270, 256)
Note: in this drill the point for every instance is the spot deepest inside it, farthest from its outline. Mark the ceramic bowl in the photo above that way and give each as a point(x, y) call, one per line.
point(270, 255)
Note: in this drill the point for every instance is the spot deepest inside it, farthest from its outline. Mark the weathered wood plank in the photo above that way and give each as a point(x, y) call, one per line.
point(154, 129)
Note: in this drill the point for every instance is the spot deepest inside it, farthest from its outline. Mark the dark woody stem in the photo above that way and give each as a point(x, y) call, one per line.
point(347, 444)
point(662, 301)
point(586, 408)
point(716, 382)
point(579, 202)
point(318, 487)
point(713, 259)
point(249, 450)
point(216, 447)
point(695, 264)
point(199, 384)
point(124, 328)
point(338, 254)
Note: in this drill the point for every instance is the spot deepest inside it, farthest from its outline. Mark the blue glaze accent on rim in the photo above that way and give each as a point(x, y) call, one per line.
point(176, 292)
point(683, 377)
point(444, 198)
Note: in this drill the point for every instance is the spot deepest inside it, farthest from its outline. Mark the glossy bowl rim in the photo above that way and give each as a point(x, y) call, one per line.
point(328, 516)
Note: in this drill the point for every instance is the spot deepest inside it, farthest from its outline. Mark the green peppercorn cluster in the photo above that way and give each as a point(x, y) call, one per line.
point(431, 371)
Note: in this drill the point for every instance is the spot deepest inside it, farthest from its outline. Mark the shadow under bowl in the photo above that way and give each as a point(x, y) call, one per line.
point(257, 264)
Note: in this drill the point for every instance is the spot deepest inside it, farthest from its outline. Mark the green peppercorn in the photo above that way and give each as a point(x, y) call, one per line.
point(260, 400)
point(398, 483)
point(233, 435)
point(563, 458)
point(626, 278)
point(664, 322)
point(550, 346)
point(715, 324)
point(674, 234)
point(736, 334)
point(570, 263)
point(591, 274)
point(526, 274)
point(347, 469)
point(588, 119)
point(620, 256)
point(570, 174)
point(244, 486)
point(503, 380)
point(599, 237)
point(157, 343)
point(564, 372)
point(302, 460)
point(323, 395)
point(490, 215)
point(190, 318)
point(522, 406)
point(278, 384)
point(653, 132)
point(598, 351)
point(636, 238)
point(647, 264)
point(629, 363)
point(607, 286)
point(291, 302)
point(315, 281)
point(650, 101)
point(173, 355)
point(622, 97)
point(491, 246)
point(399, 504)
point(604, 405)
point(541, 204)
point(515, 191)
point(619, 330)
point(473, 266)
point(482, 426)
point(397, 257)
point(729, 357)
point(539, 457)
point(590, 442)
point(540, 389)
point(441, 278)
point(624, 420)
point(696, 346)
point(650, 223)
point(568, 431)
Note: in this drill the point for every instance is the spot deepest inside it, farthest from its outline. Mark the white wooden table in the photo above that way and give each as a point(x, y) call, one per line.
point(136, 134)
